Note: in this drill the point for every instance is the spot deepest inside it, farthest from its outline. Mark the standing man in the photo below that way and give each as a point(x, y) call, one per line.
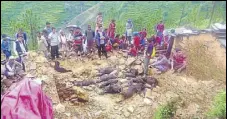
point(170, 44)
point(99, 21)
point(90, 34)
point(19, 50)
point(160, 29)
point(5, 46)
point(111, 30)
point(63, 42)
point(129, 27)
point(54, 42)
point(70, 38)
point(49, 30)
point(42, 43)
point(100, 41)
point(147, 57)
point(24, 38)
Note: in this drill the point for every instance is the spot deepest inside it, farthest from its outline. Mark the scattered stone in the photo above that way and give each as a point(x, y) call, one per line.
point(125, 55)
point(120, 75)
point(114, 72)
point(170, 95)
point(130, 61)
point(89, 88)
point(126, 113)
point(81, 94)
point(123, 81)
point(122, 67)
point(138, 62)
point(147, 101)
point(121, 61)
point(60, 108)
point(68, 114)
point(139, 68)
point(32, 66)
point(130, 109)
point(116, 108)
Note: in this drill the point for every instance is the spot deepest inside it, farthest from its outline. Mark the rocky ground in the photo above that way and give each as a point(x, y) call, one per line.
point(194, 96)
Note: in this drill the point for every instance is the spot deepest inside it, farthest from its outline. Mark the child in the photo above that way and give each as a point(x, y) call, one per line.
point(137, 41)
point(108, 46)
point(116, 41)
point(143, 34)
point(132, 51)
point(123, 44)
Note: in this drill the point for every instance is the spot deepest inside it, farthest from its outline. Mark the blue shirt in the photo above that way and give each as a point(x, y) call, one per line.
point(5, 45)
point(149, 49)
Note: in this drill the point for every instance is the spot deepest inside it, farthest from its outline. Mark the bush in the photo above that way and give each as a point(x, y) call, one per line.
point(218, 110)
point(166, 111)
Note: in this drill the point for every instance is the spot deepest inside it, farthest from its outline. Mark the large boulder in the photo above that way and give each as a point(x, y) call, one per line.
point(139, 68)
point(130, 61)
point(81, 94)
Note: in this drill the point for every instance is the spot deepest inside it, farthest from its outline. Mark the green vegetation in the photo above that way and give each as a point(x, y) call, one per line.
point(166, 111)
point(32, 16)
point(174, 14)
point(57, 13)
point(218, 109)
point(143, 13)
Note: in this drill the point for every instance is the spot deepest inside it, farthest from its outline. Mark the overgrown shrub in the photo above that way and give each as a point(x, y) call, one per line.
point(218, 109)
point(166, 111)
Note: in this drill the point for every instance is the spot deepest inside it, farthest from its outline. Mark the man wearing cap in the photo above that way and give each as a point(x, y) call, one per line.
point(129, 27)
point(54, 42)
point(12, 67)
point(49, 30)
point(5, 46)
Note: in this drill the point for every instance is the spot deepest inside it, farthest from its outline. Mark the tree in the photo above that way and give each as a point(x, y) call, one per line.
point(31, 23)
point(212, 13)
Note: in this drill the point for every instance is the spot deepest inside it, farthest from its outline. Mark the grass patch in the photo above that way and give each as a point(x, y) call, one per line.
point(166, 111)
point(201, 63)
point(218, 109)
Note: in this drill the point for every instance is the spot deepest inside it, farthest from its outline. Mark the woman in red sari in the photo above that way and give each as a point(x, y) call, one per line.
point(111, 29)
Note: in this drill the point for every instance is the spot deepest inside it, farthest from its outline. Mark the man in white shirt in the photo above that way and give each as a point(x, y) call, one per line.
point(70, 39)
point(54, 42)
point(63, 42)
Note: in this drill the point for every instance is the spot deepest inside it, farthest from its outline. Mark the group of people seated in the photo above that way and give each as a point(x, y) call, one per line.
point(104, 40)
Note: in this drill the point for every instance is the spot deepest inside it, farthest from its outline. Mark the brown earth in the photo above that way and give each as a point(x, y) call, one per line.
point(196, 95)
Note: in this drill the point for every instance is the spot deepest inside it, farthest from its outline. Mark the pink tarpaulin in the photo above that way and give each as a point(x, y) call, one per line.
point(26, 101)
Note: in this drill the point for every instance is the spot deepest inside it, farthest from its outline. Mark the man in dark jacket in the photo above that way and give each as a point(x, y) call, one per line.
point(100, 41)
point(24, 36)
